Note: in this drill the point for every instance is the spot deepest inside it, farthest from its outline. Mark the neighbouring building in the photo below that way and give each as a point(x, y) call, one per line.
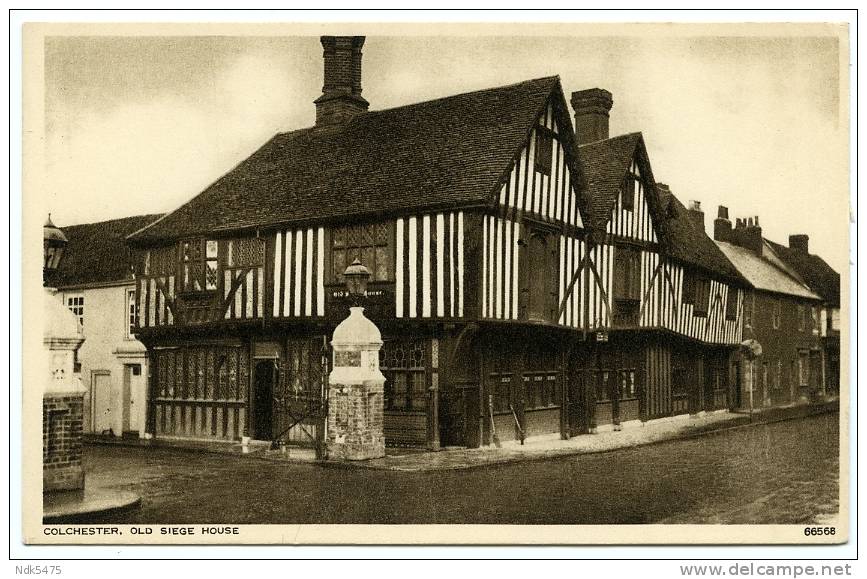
point(94, 281)
point(781, 313)
point(825, 282)
point(523, 284)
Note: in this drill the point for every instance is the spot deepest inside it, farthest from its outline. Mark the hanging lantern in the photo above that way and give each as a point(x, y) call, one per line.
point(356, 276)
point(53, 244)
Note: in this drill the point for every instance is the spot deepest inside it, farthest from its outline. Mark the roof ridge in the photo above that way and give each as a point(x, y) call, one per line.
point(115, 220)
point(555, 77)
point(616, 137)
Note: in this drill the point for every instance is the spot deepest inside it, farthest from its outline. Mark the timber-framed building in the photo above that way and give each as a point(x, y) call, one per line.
point(526, 281)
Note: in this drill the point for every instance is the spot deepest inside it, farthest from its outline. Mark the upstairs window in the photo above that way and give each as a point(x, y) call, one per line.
point(627, 192)
point(199, 265)
point(732, 304)
point(748, 310)
point(544, 151)
point(75, 304)
point(245, 252)
point(696, 291)
point(802, 318)
point(627, 274)
point(702, 296)
point(131, 314)
point(539, 277)
point(370, 244)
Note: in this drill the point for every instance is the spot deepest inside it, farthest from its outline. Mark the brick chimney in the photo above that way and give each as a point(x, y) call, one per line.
point(696, 215)
point(722, 227)
point(591, 114)
point(341, 92)
point(748, 234)
point(800, 243)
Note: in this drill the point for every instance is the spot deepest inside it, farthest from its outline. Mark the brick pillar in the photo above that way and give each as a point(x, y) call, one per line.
point(61, 441)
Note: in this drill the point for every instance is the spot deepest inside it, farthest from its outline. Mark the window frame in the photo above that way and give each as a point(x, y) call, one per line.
point(187, 259)
point(701, 299)
point(334, 277)
point(628, 191)
point(802, 318)
point(777, 315)
point(78, 309)
point(627, 273)
point(132, 313)
point(732, 304)
point(412, 399)
point(544, 141)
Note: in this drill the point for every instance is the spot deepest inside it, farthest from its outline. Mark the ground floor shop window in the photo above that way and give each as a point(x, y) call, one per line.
point(541, 391)
point(627, 384)
point(603, 385)
point(402, 362)
point(804, 368)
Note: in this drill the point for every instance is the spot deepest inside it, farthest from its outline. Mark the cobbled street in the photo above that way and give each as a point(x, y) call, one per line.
point(784, 472)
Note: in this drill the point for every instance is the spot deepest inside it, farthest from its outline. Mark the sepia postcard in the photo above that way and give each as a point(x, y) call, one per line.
point(419, 283)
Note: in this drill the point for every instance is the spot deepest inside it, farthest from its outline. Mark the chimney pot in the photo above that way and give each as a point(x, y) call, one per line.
point(592, 107)
point(800, 242)
point(696, 215)
point(722, 227)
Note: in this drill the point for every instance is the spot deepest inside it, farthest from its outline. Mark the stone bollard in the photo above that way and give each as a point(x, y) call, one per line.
point(355, 391)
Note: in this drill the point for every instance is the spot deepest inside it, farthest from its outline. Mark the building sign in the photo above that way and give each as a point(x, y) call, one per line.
point(601, 336)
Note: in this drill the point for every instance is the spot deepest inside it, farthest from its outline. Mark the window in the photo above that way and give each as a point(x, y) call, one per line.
point(245, 252)
point(804, 368)
point(199, 265)
point(627, 192)
point(814, 320)
point(627, 274)
point(748, 310)
point(540, 276)
point(627, 384)
point(367, 243)
point(403, 364)
point(76, 306)
point(502, 396)
point(702, 296)
point(544, 151)
point(732, 304)
point(778, 377)
point(541, 391)
point(603, 385)
point(131, 314)
point(776, 315)
point(802, 318)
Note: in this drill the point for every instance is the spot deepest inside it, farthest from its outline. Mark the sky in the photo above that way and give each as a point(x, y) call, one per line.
point(141, 124)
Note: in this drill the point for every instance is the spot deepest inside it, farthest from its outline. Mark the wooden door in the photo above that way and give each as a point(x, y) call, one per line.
point(102, 404)
point(263, 400)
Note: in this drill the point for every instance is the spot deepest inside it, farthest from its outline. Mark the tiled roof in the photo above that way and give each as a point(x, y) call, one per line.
point(604, 164)
point(816, 273)
point(686, 242)
point(762, 274)
point(97, 252)
point(440, 153)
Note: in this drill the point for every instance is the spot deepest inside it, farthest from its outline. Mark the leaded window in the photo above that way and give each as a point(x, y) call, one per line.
point(199, 265)
point(732, 304)
point(246, 252)
point(544, 151)
point(370, 244)
point(402, 362)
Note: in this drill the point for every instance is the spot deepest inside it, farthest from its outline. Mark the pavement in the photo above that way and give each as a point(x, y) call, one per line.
point(71, 506)
point(534, 448)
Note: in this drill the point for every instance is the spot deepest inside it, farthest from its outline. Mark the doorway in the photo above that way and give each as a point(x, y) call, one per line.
point(263, 400)
point(102, 404)
point(132, 392)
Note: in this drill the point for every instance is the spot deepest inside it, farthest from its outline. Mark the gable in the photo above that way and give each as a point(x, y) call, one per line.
point(630, 216)
point(541, 181)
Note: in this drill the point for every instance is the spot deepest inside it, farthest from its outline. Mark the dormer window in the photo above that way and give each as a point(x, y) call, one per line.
point(544, 151)
point(199, 265)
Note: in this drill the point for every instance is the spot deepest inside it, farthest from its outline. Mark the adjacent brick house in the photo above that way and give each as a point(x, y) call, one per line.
point(781, 313)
